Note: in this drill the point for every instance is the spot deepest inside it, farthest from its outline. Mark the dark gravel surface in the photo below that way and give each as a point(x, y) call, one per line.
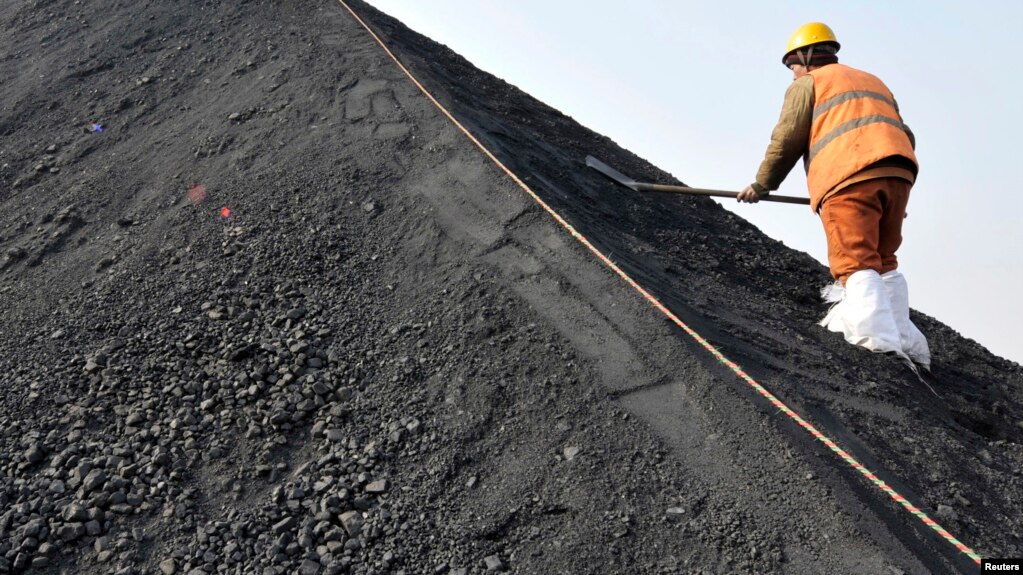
point(385, 358)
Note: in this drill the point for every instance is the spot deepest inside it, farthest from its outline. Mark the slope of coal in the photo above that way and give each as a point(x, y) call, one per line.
point(382, 357)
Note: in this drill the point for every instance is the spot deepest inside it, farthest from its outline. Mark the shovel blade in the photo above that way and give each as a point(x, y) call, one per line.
point(611, 173)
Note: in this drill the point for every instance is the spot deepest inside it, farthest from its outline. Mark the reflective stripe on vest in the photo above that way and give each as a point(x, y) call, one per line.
point(848, 127)
point(850, 95)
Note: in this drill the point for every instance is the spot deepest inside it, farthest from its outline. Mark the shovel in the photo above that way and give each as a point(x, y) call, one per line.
point(641, 187)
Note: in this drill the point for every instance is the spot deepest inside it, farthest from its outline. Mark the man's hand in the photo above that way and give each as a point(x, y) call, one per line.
point(748, 195)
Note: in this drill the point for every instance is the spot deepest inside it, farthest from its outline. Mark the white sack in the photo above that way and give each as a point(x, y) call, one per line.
point(863, 313)
point(913, 342)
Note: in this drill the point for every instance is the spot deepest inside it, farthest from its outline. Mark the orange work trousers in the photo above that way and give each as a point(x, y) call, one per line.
point(863, 223)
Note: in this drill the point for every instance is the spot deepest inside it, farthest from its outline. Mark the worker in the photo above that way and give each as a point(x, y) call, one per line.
point(860, 165)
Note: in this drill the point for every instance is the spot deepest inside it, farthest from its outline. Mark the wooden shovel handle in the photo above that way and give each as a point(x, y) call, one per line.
point(666, 189)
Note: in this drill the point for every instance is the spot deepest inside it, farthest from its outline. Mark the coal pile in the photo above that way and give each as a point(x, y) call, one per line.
point(265, 310)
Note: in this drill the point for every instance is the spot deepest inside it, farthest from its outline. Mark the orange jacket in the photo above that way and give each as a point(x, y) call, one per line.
point(856, 124)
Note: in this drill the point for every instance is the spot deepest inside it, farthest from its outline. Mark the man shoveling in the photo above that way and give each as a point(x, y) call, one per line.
point(860, 164)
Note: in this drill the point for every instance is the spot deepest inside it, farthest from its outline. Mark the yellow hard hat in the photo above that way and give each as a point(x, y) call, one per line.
point(812, 33)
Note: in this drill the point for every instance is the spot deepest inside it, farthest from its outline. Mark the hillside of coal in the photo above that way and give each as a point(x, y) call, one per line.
point(266, 310)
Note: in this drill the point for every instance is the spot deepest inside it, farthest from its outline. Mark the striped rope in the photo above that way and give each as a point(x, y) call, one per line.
point(845, 456)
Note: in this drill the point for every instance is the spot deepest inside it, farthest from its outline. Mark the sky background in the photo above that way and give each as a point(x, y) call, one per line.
point(696, 87)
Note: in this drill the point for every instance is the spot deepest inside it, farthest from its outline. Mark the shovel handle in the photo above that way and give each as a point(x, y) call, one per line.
point(628, 182)
point(663, 188)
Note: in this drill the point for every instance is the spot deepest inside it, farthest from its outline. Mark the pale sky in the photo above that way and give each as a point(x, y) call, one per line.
point(696, 87)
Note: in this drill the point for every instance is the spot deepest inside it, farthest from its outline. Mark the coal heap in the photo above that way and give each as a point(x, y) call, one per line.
point(266, 310)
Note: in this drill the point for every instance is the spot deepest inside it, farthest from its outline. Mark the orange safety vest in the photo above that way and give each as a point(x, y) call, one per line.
point(855, 124)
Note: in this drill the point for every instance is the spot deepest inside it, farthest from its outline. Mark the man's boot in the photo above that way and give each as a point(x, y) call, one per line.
point(864, 314)
point(914, 344)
